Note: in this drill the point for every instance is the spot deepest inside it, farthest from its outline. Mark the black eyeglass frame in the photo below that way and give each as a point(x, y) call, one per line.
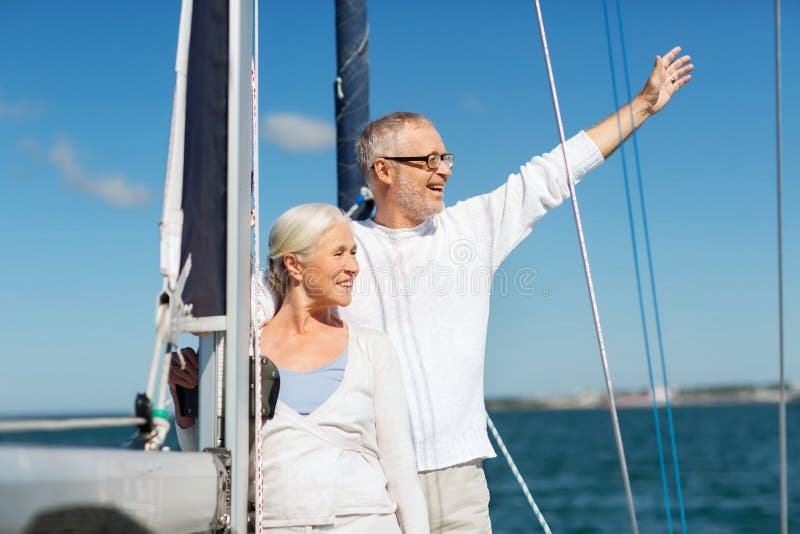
point(448, 158)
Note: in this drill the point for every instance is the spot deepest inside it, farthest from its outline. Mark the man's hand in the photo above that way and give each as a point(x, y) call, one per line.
point(184, 374)
point(669, 75)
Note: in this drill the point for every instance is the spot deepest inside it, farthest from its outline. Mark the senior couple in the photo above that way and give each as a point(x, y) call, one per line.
point(380, 425)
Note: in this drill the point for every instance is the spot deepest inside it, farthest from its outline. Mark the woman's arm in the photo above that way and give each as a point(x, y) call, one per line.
point(394, 441)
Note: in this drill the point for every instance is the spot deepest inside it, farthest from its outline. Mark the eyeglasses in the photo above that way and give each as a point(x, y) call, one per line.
point(433, 160)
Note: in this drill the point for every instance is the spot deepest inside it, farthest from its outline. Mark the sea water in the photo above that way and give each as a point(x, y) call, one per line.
point(728, 459)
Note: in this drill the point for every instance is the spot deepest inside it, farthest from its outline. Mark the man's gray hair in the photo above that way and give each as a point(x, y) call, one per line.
point(380, 135)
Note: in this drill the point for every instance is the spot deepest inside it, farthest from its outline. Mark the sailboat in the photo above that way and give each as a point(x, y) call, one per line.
point(209, 479)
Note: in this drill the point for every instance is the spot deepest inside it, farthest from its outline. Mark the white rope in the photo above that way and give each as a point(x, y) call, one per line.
point(158, 434)
point(160, 424)
point(160, 335)
point(77, 423)
point(587, 270)
point(164, 385)
point(517, 475)
point(255, 266)
point(259, 423)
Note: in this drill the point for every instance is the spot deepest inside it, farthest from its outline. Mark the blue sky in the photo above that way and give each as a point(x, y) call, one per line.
point(85, 104)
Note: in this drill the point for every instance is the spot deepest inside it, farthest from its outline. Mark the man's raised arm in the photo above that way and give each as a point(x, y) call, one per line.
point(669, 75)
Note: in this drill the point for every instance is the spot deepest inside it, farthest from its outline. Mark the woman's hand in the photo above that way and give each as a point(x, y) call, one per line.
point(183, 372)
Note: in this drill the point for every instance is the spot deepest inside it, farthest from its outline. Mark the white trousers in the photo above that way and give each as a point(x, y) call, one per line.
point(347, 524)
point(458, 499)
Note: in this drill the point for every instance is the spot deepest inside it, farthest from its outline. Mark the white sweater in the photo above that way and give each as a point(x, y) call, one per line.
point(350, 456)
point(428, 287)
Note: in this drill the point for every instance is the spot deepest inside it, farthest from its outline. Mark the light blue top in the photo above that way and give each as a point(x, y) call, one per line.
point(305, 392)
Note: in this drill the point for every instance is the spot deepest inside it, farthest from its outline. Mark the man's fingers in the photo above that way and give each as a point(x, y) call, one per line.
point(669, 56)
point(683, 81)
point(674, 74)
point(685, 70)
point(681, 76)
point(680, 62)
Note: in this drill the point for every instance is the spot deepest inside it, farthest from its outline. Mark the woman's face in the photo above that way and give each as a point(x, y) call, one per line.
point(328, 274)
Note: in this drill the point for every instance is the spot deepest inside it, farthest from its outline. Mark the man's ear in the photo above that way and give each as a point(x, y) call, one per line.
point(383, 171)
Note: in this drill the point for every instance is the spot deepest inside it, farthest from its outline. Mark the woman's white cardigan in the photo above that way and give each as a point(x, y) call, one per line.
point(353, 454)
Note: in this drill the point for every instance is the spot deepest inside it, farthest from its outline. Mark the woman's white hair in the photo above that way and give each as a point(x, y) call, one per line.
point(297, 232)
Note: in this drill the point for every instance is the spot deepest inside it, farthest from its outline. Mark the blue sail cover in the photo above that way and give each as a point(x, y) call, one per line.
point(205, 190)
point(351, 94)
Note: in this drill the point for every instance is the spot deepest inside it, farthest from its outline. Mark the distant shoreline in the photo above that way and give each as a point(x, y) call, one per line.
point(727, 395)
point(724, 395)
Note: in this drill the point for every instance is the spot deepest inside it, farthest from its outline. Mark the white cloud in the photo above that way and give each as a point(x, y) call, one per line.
point(114, 189)
point(62, 156)
point(118, 191)
point(471, 103)
point(21, 109)
point(298, 133)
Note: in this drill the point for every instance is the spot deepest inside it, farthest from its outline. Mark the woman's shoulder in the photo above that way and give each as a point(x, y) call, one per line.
point(371, 344)
point(365, 334)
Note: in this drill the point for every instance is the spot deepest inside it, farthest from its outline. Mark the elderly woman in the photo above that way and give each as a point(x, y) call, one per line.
point(337, 455)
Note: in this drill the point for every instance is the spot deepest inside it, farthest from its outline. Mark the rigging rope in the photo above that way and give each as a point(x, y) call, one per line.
point(584, 255)
point(651, 271)
point(639, 278)
point(517, 475)
point(782, 406)
point(161, 335)
point(160, 423)
point(255, 265)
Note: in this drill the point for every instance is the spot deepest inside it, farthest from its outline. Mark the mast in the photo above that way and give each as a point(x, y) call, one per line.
point(351, 96)
point(216, 232)
point(240, 150)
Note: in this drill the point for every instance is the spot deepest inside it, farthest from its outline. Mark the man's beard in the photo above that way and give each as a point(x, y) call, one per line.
point(414, 202)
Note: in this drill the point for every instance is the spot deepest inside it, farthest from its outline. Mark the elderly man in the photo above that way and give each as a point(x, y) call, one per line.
point(419, 266)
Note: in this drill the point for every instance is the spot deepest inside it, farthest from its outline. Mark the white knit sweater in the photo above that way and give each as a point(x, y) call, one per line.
point(428, 287)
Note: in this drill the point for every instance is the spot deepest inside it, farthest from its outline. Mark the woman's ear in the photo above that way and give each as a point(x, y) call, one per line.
point(293, 266)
